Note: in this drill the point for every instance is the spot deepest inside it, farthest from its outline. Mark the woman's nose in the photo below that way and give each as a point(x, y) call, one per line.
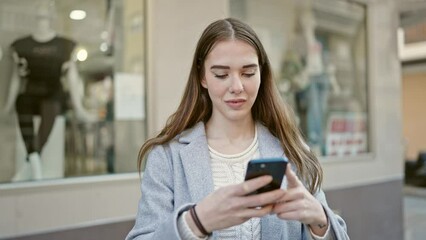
point(236, 85)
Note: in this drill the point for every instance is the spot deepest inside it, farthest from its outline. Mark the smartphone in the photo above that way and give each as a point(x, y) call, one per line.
point(274, 167)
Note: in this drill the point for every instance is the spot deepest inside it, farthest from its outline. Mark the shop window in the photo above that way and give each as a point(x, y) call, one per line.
point(318, 53)
point(74, 88)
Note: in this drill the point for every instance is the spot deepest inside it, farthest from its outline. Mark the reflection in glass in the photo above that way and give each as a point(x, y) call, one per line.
point(318, 53)
point(60, 77)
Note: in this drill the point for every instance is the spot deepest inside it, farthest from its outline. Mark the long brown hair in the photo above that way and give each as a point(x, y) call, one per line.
point(269, 108)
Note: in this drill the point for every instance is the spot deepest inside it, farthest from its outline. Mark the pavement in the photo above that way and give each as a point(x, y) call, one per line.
point(414, 213)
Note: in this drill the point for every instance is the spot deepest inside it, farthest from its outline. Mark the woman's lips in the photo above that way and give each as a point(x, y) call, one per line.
point(235, 103)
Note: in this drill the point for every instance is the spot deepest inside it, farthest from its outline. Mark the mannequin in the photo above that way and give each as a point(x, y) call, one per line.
point(316, 95)
point(307, 74)
point(42, 59)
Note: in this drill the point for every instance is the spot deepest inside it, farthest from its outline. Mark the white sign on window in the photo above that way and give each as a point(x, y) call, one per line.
point(129, 96)
point(346, 134)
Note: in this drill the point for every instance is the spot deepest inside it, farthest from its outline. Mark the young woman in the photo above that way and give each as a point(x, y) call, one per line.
point(193, 185)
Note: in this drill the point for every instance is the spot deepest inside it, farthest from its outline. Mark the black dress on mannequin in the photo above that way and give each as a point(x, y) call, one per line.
point(41, 66)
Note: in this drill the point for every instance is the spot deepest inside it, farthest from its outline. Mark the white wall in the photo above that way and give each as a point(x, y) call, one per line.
point(175, 27)
point(37, 207)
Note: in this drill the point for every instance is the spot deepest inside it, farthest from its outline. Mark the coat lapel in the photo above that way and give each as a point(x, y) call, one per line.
point(195, 159)
point(269, 146)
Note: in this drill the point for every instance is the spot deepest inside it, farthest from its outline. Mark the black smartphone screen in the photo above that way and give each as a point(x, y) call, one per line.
point(274, 167)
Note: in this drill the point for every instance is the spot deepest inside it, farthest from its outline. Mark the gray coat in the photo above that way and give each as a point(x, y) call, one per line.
point(178, 174)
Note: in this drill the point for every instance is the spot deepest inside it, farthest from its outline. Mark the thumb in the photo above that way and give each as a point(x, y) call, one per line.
point(292, 180)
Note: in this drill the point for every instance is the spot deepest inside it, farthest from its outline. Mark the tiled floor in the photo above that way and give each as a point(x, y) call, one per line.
point(415, 213)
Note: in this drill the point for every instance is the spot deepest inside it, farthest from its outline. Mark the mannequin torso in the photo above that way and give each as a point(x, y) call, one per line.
point(40, 65)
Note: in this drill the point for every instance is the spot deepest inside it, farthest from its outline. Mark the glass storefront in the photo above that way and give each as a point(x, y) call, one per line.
point(318, 50)
point(73, 95)
point(90, 106)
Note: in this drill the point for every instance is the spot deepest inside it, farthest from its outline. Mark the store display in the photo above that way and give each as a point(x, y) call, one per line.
point(42, 59)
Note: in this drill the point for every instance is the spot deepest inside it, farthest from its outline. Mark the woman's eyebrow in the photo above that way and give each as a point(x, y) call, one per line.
point(250, 65)
point(227, 67)
point(219, 67)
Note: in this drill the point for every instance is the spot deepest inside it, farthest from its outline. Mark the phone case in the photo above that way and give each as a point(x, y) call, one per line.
point(274, 167)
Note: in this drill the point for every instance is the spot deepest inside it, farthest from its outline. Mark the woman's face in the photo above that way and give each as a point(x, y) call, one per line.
point(232, 78)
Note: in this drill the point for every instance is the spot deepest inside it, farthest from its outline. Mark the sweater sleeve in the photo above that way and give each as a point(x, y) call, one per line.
point(184, 231)
point(327, 235)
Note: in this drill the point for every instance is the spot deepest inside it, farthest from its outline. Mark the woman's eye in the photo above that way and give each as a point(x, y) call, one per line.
point(248, 74)
point(221, 76)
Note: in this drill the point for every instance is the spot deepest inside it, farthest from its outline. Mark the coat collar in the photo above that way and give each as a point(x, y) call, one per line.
point(269, 145)
point(195, 159)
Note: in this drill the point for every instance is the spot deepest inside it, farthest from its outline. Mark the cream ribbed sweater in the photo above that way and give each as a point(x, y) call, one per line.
point(231, 169)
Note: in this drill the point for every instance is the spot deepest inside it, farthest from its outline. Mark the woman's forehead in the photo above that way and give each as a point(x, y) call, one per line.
point(232, 52)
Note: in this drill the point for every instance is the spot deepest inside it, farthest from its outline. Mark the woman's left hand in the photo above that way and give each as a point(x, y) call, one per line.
point(299, 204)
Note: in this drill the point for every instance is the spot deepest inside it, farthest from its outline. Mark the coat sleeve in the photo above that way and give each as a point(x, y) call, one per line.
point(157, 216)
point(337, 225)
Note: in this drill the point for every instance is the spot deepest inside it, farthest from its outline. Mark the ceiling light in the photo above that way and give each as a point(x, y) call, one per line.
point(82, 55)
point(78, 14)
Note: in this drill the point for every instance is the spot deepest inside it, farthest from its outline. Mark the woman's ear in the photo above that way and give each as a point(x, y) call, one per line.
point(204, 82)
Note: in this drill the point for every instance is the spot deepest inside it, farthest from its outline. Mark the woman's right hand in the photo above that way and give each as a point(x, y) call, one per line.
point(230, 205)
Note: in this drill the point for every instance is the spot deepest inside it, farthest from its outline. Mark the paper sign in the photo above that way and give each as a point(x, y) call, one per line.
point(346, 134)
point(129, 96)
